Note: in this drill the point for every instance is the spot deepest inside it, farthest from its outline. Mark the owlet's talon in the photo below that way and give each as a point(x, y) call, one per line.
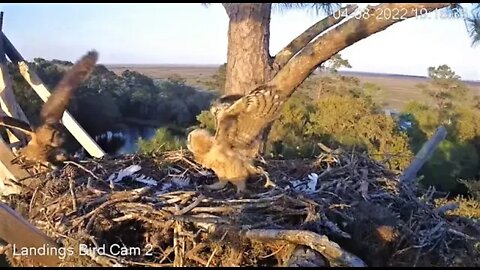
point(241, 187)
point(216, 186)
point(269, 183)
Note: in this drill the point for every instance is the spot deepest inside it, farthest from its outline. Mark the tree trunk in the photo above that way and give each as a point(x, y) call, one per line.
point(248, 60)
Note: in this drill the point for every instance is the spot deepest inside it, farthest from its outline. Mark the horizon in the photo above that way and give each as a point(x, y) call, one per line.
point(125, 34)
point(366, 73)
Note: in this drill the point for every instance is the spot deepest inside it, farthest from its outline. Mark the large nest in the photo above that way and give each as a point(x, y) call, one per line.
point(336, 210)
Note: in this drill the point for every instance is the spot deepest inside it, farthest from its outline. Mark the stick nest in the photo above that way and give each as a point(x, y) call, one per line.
point(338, 210)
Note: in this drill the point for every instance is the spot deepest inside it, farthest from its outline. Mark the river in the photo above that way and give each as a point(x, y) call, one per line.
point(124, 141)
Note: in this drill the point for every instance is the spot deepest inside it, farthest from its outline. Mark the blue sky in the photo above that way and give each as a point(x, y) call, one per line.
point(194, 34)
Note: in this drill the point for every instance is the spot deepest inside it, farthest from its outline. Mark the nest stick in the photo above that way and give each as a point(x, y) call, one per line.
point(178, 261)
point(330, 250)
point(191, 206)
point(72, 192)
point(83, 168)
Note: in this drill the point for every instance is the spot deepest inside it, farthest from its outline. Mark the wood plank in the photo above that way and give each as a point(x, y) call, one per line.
point(9, 104)
point(9, 170)
point(19, 232)
point(423, 155)
point(10, 50)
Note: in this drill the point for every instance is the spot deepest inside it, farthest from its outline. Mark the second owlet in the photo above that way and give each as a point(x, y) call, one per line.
point(45, 145)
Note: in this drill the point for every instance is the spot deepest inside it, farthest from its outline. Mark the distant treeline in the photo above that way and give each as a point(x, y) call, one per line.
point(334, 109)
point(105, 99)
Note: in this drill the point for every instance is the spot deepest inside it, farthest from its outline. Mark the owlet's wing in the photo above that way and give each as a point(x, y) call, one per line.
point(57, 103)
point(242, 123)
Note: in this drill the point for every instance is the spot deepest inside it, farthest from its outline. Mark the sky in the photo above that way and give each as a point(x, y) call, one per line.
point(190, 33)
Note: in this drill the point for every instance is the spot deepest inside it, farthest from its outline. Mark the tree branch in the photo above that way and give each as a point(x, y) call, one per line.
point(303, 39)
point(344, 35)
point(320, 243)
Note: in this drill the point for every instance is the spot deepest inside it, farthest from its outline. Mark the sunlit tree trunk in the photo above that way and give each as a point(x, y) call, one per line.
point(248, 60)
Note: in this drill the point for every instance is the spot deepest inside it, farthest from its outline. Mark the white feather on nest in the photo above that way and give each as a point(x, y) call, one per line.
point(131, 171)
point(309, 187)
point(174, 183)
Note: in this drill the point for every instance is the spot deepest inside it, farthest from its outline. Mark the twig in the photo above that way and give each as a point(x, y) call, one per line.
point(178, 261)
point(85, 169)
point(124, 218)
point(191, 254)
point(213, 209)
point(233, 201)
point(191, 206)
point(215, 250)
point(72, 192)
point(462, 234)
point(447, 207)
point(273, 253)
point(211, 257)
point(77, 221)
point(166, 253)
point(32, 201)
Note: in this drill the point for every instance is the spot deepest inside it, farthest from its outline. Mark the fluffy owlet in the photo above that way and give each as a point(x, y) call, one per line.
point(45, 145)
point(240, 123)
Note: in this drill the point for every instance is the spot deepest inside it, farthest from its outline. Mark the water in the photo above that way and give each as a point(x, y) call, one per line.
point(132, 135)
point(124, 141)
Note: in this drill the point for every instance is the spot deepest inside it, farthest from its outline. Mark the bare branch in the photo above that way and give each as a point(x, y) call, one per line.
point(320, 243)
point(303, 39)
point(344, 35)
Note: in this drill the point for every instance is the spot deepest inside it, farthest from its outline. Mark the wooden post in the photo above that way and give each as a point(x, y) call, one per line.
point(18, 231)
point(9, 170)
point(8, 102)
point(423, 155)
point(10, 107)
point(36, 83)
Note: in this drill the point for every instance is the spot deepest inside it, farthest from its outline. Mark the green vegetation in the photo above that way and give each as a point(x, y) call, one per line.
point(466, 207)
point(162, 141)
point(448, 102)
point(339, 111)
point(106, 100)
point(217, 81)
point(336, 110)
